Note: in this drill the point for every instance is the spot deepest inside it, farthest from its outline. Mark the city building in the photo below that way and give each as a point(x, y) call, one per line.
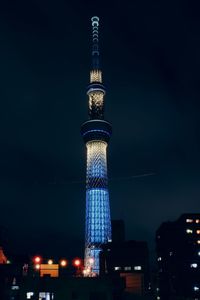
point(71, 288)
point(51, 279)
point(178, 258)
point(96, 133)
point(10, 279)
point(128, 259)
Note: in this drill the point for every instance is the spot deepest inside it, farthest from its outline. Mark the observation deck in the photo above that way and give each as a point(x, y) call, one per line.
point(96, 130)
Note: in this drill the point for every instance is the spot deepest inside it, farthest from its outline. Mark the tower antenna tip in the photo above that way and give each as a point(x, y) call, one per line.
point(95, 21)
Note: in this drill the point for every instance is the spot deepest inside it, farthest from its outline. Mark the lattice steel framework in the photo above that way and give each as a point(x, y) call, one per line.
point(96, 133)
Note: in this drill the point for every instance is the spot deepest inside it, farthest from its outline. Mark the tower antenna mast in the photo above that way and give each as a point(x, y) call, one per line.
point(95, 43)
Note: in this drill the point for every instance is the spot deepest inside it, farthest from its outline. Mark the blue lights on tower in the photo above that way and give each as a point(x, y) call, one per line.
point(97, 230)
point(96, 133)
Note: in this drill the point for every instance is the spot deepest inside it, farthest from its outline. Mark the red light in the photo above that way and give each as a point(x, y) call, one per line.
point(37, 259)
point(77, 262)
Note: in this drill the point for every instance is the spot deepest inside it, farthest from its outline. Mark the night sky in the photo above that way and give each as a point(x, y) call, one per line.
point(150, 54)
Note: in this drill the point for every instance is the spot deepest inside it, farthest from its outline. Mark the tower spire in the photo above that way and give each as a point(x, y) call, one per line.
point(95, 43)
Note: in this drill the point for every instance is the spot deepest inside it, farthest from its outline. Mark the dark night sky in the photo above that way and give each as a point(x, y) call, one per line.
point(151, 66)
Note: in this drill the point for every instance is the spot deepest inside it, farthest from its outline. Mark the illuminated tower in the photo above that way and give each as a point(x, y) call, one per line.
point(96, 133)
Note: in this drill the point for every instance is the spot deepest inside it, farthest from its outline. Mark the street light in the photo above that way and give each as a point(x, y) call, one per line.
point(63, 263)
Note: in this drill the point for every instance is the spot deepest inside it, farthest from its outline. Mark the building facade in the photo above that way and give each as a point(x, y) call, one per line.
point(96, 133)
point(178, 258)
point(48, 288)
point(127, 259)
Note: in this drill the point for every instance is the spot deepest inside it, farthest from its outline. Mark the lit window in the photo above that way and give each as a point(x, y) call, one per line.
point(137, 268)
point(117, 268)
point(29, 295)
point(15, 287)
point(189, 230)
point(198, 242)
point(189, 220)
point(159, 258)
point(198, 231)
point(197, 221)
point(196, 288)
point(46, 295)
point(194, 265)
point(127, 268)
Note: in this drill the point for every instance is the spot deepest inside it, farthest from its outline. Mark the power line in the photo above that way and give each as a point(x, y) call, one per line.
point(124, 178)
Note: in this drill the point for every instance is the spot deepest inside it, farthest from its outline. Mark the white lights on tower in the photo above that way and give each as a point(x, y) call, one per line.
point(96, 99)
point(95, 76)
point(194, 265)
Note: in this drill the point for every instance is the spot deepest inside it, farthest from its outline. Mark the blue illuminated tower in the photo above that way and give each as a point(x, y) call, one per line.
point(96, 133)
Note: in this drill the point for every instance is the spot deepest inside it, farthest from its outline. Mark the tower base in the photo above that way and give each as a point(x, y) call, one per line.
point(92, 261)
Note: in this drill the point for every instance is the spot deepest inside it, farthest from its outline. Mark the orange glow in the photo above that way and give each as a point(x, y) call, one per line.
point(86, 272)
point(198, 231)
point(77, 262)
point(49, 269)
point(197, 220)
point(37, 259)
point(63, 263)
